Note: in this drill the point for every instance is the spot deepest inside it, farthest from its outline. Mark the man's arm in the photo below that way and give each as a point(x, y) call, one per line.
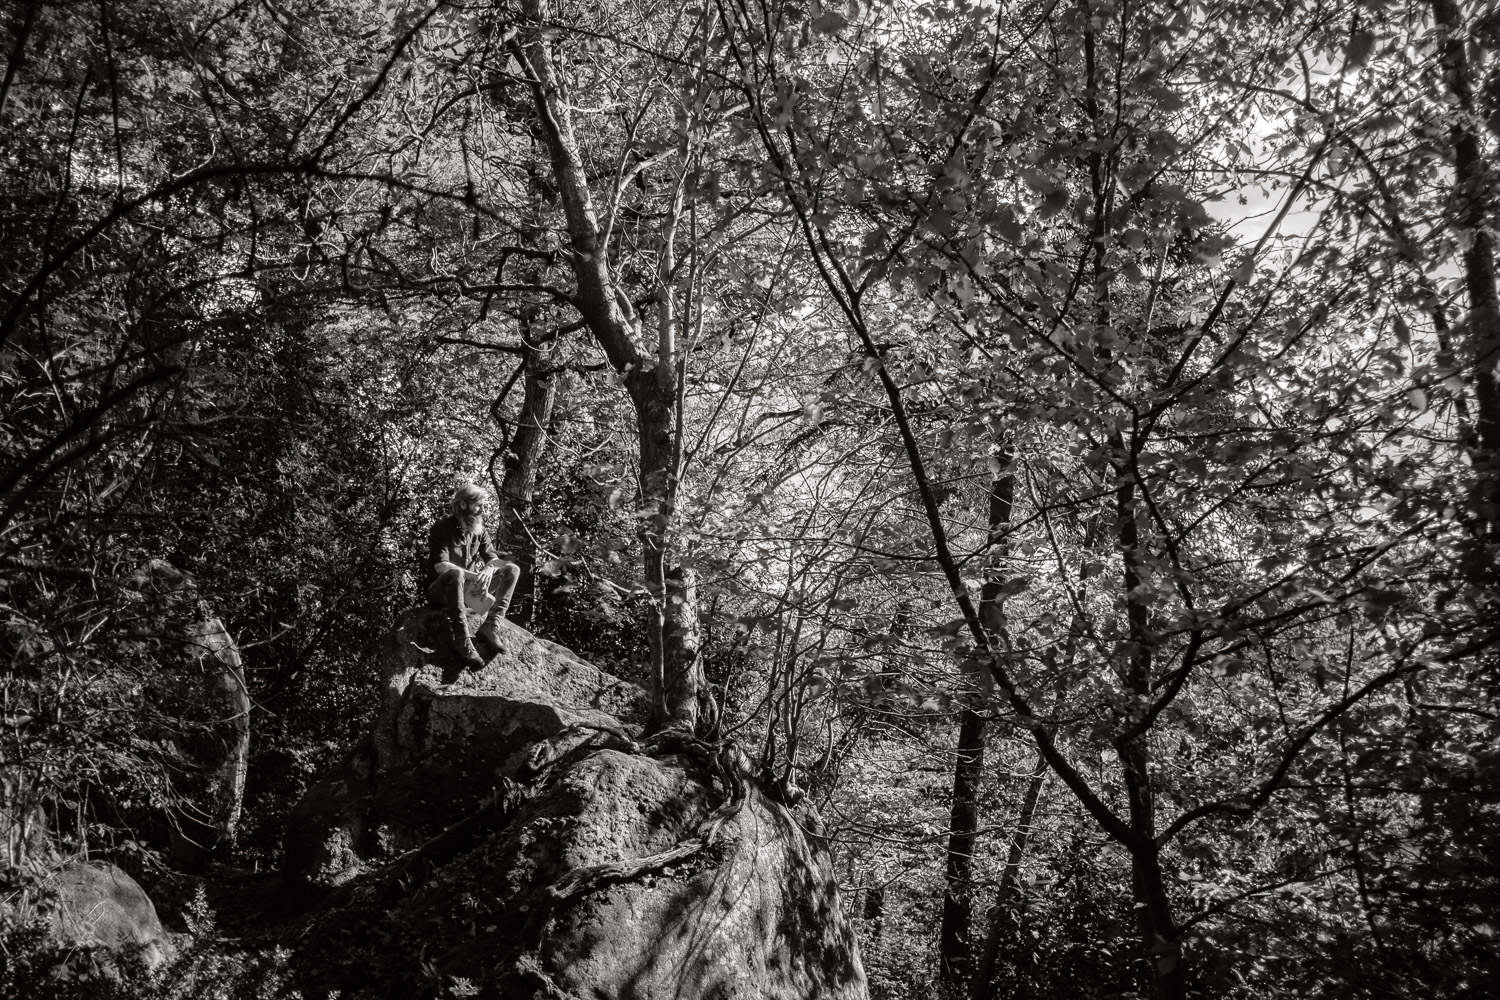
point(492, 559)
point(439, 551)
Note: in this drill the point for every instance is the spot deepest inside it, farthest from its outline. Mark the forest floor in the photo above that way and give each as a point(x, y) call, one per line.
point(238, 903)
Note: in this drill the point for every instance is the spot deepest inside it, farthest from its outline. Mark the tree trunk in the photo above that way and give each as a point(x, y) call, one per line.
point(650, 380)
point(1010, 881)
point(955, 955)
point(1473, 190)
point(684, 685)
point(1159, 933)
point(522, 463)
point(874, 910)
point(674, 631)
point(956, 962)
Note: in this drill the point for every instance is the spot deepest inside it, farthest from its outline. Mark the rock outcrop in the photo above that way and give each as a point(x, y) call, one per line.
point(442, 743)
point(217, 748)
point(531, 691)
point(201, 685)
point(629, 875)
point(554, 852)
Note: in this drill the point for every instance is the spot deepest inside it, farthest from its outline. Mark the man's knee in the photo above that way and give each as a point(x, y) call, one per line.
point(503, 583)
point(444, 584)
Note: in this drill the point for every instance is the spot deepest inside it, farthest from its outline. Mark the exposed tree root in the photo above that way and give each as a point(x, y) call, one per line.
point(724, 762)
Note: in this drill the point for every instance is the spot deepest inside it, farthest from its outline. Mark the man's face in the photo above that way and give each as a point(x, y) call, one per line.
point(472, 507)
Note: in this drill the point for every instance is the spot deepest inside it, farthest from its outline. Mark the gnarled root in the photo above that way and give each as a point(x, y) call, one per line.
point(728, 767)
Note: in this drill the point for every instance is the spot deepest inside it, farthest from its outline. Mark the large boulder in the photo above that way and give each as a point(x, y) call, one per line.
point(201, 687)
point(216, 746)
point(595, 890)
point(442, 743)
point(100, 914)
point(572, 857)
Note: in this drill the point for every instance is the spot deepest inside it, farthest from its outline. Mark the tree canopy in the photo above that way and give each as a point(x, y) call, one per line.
point(1059, 439)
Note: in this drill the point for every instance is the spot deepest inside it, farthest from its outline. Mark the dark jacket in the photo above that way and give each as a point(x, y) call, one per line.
point(448, 543)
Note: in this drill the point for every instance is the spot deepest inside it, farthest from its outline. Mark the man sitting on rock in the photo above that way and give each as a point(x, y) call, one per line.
point(459, 551)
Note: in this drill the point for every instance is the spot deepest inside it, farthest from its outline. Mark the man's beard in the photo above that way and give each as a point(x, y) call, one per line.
point(471, 525)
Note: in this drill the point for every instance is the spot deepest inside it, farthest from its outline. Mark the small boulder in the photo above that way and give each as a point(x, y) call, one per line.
point(95, 908)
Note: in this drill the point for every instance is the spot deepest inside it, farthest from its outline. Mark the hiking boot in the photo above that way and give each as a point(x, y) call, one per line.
point(467, 654)
point(490, 633)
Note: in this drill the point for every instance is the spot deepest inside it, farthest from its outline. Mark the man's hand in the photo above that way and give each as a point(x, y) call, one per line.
point(485, 576)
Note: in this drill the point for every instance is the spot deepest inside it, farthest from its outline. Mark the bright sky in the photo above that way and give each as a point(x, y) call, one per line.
point(1248, 222)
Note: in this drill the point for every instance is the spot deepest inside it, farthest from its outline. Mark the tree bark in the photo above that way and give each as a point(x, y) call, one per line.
point(1010, 881)
point(1473, 190)
point(955, 955)
point(683, 686)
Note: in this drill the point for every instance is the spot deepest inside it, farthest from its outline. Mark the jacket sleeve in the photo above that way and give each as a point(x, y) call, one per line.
point(487, 550)
point(439, 554)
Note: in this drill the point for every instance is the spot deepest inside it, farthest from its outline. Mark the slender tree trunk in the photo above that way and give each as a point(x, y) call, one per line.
point(874, 910)
point(674, 632)
point(30, 9)
point(1010, 883)
point(527, 448)
point(955, 954)
point(953, 946)
point(1473, 191)
point(650, 380)
point(683, 686)
point(1159, 932)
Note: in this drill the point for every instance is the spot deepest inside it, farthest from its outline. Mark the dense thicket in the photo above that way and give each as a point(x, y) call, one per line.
point(1060, 438)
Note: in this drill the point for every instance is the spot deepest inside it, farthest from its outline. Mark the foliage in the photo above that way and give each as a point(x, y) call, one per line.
point(1206, 285)
point(32, 964)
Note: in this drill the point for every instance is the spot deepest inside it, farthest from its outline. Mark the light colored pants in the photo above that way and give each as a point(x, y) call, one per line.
point(447, 591)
